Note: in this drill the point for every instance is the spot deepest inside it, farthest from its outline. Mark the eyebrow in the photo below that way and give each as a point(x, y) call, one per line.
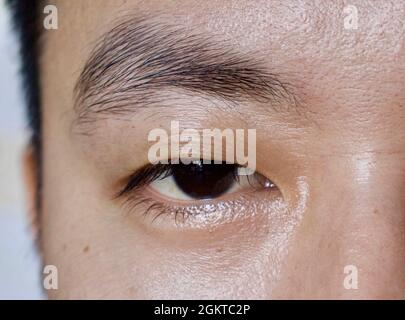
point(137, 59)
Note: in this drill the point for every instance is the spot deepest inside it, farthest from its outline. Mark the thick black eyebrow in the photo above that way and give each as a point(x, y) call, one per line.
point(138, 58)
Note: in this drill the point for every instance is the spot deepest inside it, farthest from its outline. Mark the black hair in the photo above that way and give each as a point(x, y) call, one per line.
point(26, 22)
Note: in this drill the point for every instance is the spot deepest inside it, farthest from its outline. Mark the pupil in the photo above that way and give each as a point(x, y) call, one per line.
point(204, 181)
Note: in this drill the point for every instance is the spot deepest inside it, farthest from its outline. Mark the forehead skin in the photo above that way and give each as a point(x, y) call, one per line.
point(351, 84)
point(341, 73)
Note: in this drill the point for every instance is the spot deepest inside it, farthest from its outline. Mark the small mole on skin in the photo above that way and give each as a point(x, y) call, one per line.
point(86, 249)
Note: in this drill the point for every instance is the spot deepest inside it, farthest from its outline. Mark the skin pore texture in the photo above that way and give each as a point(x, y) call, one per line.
point(335, 151)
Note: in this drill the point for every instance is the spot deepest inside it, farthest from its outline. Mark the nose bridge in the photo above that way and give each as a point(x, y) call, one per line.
point(356, 218)
point(371, 202)
point(370, 182)
point(374, 179)
point(361, 184)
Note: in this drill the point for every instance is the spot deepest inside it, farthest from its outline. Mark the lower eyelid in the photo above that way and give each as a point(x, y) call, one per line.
point(202, 214)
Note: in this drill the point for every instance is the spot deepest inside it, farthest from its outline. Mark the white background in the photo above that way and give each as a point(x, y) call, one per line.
point(19, 264)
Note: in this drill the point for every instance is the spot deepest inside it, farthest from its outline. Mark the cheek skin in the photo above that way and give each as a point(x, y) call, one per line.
point(240, 259)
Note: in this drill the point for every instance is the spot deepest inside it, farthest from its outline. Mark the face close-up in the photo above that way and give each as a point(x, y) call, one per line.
point(321, 84)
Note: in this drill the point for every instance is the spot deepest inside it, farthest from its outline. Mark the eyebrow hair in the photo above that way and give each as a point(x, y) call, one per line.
point(138, 58)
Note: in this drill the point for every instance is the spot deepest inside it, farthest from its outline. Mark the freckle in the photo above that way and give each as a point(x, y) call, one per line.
point(219, 250)
point(86, 249)
point(64, 247)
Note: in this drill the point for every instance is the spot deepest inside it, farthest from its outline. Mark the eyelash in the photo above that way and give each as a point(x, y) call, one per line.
point(141, 178)
point(151, 173)
point(144, 176)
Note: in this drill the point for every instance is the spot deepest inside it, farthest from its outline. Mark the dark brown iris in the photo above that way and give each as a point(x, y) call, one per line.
point(204, 181)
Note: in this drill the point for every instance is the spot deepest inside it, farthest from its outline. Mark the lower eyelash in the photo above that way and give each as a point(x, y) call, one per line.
point(209, 212)
point(152, 207)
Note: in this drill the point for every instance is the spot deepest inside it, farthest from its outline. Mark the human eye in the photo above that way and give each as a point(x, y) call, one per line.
point(195, 190)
